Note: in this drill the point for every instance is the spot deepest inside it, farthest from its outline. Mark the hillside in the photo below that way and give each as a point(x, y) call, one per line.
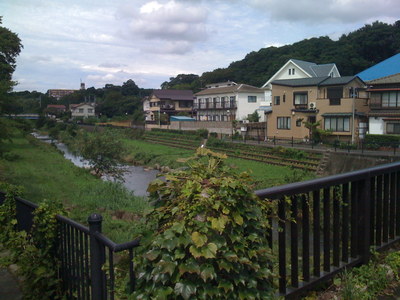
point(352, 53)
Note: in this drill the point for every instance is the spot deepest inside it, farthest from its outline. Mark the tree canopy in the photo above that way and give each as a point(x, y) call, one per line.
point(352, 53)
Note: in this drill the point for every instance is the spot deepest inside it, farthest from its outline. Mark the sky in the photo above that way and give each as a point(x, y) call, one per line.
point(67, 42)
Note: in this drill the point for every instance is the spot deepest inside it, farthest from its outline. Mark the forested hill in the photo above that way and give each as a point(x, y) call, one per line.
point(352, 53)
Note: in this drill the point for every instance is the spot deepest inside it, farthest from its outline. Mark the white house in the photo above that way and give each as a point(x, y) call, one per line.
point(82, 110)
point(227, 101)
point(295, 69)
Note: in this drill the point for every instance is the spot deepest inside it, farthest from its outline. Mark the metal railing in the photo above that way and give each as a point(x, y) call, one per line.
point(86, 256)
point(323, 226)
point(330, 223)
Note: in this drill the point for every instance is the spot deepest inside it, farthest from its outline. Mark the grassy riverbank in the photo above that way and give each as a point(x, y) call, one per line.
point(145, 153)
point(44, 174)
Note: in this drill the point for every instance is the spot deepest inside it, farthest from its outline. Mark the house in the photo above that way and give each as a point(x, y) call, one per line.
point(227, 101)
point(54, 109)
point(296, 69)
point(385, 68)
point(384, 114)
point(340, 104)
point(168, 103)
point(82, 110)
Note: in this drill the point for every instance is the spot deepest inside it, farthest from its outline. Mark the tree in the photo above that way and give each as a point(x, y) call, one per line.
point(254, 117)
point(104, 151)
point(10, 47)
point(129, 88)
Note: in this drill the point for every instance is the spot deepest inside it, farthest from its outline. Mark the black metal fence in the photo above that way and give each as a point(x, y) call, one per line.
point(328, 224)
point(86, 255)
point(323, 226)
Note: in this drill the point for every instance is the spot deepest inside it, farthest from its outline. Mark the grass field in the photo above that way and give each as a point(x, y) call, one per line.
point(44, 174)
point(265, 175)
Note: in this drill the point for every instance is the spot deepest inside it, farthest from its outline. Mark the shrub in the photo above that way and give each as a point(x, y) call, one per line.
point(211, 236)
point(203, 133)
point(382, 139)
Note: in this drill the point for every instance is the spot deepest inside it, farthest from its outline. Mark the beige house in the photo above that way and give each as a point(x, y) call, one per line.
point(82, 110)
point(340, 104)
point(167, 103)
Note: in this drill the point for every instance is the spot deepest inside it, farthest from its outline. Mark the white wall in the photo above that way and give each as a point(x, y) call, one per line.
point(244, 107)
point(376, 126)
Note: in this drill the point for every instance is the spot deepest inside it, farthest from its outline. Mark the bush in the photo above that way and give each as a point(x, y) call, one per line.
point(382, 140)
point(203, 133)
point(211, 236)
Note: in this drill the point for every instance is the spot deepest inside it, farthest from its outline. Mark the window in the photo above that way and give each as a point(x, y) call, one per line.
point(339, 124)
point(80, 110)
point(390, 99)
point(277, 100)
point(300, 98)
point(291, 71)
point(334, 95)
point(251, 99)
point(298, 122)
point(232, 100)
point(90, 110)
point(283, 122)
point(393, 128)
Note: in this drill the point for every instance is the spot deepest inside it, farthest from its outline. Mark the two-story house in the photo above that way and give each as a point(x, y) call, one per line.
point(338, 103)
point(227, 101)
point(168, 103)
point(296, 69)
point(82, 110)
point(384, 114)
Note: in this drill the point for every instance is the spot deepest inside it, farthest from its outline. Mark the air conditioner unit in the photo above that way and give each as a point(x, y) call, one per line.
point(312, 105)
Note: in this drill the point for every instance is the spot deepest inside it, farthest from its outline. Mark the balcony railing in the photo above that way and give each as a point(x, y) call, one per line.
point(216, 105)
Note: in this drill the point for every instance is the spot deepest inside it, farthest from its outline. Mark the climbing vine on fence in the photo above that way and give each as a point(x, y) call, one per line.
point(34, 252)
point(211, 236)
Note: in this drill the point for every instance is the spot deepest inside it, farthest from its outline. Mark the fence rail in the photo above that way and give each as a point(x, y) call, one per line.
point(330, 223)
point(323, 226)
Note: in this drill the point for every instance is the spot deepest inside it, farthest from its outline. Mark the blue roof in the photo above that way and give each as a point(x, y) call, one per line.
point(387, 67)
point(181, 118)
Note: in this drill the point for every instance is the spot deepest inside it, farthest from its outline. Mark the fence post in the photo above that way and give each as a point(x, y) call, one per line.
point(97, 258)
point(274, 141)
point(292, 142)
point(364, 217)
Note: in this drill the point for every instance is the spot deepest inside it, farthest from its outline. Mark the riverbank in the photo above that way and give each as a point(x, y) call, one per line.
point(44, 173)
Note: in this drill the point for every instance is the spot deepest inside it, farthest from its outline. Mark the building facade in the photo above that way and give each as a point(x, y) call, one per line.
point(339, 105)
point(227, 102)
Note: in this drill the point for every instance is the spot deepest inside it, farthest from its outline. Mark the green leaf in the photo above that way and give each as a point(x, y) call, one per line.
point(219, 223)
point(209, 251)
point(199, 239)
point(238, 218)
point(224, 265)
point(163, 293)
point(152, 255)
point(207, 272)
point(195, 252)
point(167, 266)
point(185, 290)
point(226, 285)
point(189, 267)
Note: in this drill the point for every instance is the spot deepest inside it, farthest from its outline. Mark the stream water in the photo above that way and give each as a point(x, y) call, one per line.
point(136, 178)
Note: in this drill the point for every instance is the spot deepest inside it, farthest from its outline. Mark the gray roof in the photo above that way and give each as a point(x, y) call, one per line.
point(230, 89)
point(395, 78)
point(313, 69)
point(320, 81)
point(339, 80)
point(300, 81)
point(174, 94)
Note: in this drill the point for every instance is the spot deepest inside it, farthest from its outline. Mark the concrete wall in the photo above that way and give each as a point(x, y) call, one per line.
point(218, 127)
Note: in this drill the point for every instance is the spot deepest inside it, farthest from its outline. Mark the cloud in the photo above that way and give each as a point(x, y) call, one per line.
point(111, 65)
point(317, 11)
point(170, 21)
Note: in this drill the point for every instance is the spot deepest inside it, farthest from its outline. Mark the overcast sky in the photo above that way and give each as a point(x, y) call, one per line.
point(111, 41)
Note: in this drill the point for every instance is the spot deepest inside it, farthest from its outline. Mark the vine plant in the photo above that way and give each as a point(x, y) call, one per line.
point(210, 240)
point(34, 252)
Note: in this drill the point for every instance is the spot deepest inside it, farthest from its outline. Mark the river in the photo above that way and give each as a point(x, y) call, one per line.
point(136, 178)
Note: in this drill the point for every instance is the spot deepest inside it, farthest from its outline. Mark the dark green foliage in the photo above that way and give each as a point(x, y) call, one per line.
point(382, 140)
point(211, 236)
point(254, 117)
point(33, 252)
point(352, 53)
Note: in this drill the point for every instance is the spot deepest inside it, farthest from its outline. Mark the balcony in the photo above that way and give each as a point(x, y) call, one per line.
point(167, 107)
point(215, 105)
